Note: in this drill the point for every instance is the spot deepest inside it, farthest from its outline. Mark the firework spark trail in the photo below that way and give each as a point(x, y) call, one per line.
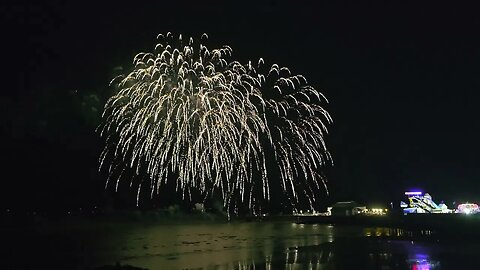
point(190, 111)
point(185, 110)
point(298, 125)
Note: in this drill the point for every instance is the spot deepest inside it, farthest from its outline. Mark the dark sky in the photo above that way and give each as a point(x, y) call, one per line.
point(402, 80)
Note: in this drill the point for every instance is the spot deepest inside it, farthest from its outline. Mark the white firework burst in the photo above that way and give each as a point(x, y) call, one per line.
point(298, 125)
point(185, 109)
point(192, 113)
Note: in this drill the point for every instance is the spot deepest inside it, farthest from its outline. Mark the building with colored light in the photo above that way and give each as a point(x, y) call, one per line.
point(419, 203)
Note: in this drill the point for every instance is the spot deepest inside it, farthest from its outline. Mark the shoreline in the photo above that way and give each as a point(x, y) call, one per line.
point(444, 224)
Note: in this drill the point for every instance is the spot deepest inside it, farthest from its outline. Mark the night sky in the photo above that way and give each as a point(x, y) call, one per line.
point(402, 80)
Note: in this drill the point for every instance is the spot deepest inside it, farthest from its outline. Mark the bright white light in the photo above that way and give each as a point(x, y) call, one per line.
point(413, 193)
point(195, 114)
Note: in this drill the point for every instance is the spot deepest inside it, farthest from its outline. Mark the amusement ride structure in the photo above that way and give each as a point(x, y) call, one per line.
point(419, 202)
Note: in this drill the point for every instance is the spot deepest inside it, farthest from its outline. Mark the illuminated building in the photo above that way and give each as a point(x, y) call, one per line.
point(468, 208)
point(348, 208)
point(418, 203)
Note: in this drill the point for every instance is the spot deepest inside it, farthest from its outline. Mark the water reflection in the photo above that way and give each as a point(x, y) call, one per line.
point(395, 232)
point(419, 257)
point(215, 246)
point(244, 245)
point(356, 254)
point(275, 245)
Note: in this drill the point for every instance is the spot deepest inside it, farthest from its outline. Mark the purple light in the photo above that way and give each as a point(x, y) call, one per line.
point(413, 193)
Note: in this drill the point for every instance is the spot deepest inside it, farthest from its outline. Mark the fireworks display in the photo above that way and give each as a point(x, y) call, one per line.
point(196, 117)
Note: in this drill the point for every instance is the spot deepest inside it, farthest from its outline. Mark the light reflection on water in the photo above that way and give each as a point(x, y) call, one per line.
point(394, 232)
point(264, 245)
point(211, 246)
